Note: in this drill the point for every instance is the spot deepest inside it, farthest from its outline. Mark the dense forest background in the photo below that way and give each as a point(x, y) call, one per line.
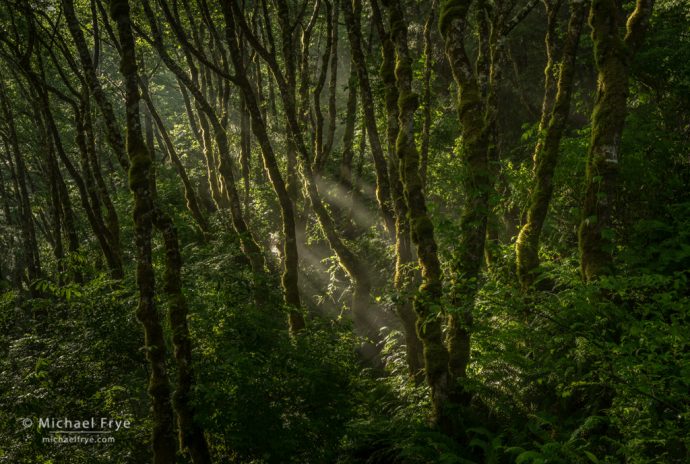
point(346, 231)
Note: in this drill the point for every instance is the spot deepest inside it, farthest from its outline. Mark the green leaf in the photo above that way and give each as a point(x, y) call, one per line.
point(529, 456)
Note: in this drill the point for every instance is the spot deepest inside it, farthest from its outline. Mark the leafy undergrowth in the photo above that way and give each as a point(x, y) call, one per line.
point(570, 373)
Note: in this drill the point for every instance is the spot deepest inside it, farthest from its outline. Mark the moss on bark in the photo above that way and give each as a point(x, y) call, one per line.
point(427, 303)
point(546, 153)
point(612, 55)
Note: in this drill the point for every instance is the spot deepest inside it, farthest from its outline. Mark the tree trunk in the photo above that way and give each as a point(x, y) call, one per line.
point(427, 303)
point(190, 195)
point(405, 277)
point(476, 186)
point(290, 256)
point(546, 153)
point(25, 216)
point(112, 129)
point(249, 245)
point(191, 436)
point(352, 13)
point(613, 56)
point(140, 184)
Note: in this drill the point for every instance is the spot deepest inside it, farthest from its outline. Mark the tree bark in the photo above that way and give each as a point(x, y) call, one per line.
point(140, 184)
point(427, 303)
point(476, 186)
point(352, 12)
point(546, 152)
point(290, 257)
point(249, 245)
point(348, 260)
point(111, 126)
point(613, 55)
point(405, 276)
point(190, 195)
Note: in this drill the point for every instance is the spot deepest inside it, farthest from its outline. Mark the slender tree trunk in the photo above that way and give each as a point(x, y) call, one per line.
point(552, 8)
point(352, 13)
point(426, 97)
point(25, 216)
point(546, 153)
point(190, 195)
point(332, 87)
point(290, 256)
point(111, 126)
point(140, 184)
point(56, 213)
point(249, 245)
point(405, 278)
point(191, 436)
point(320, 154)
point(348, 260)
point(245, 154)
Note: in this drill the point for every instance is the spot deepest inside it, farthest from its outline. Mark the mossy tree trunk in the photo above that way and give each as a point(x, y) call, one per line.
point(140, 183)
point(405, 275)
point(290, 274)
point(190, 434)
point(427, 303)
point(426, 96)
point(469, 253)
point(93, 163)
point(546, 151)
point(352, 13)
point(613, 55)
point(347, 259)
point(146, 214)
point(190, 195)
point(332, 89)
point(249, 245)
point(89, 69)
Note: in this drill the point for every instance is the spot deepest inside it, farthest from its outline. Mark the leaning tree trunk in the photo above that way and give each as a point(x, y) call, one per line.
point(546, 153)
point(190, 195)
point(290, 257)
point(613, 56)
point(348, 260)
point(249, 245)
point(112, 129)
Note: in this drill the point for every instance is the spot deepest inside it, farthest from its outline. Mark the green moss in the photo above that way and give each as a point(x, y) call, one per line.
point(387, 69)
point(408, 102)
point(450, 10)
point(139, 169)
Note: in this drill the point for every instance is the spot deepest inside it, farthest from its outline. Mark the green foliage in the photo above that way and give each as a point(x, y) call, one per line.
point(587, 373)
point(71, 355)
